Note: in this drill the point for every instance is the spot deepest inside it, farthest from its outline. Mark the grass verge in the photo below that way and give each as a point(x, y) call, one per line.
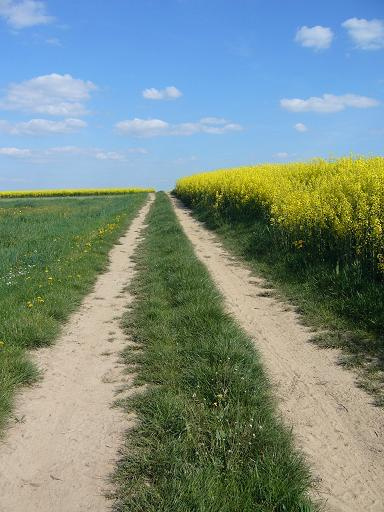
point(208, 437)
point(345, 307)
point(50, 253)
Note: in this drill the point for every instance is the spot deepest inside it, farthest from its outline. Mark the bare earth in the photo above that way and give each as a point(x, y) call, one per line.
point(334, 423)
point(58, 455)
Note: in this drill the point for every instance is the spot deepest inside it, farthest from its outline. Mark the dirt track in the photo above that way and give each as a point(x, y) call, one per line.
point(334, 423)
point(57, 457)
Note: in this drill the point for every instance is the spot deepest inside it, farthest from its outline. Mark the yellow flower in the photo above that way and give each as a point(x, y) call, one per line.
point(299, 244)
point(318, 204)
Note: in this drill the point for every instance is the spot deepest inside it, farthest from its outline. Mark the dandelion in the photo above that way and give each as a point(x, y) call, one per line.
point(299, 244)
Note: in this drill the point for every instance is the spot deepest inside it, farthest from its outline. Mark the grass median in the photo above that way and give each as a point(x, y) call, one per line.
point(208, 435)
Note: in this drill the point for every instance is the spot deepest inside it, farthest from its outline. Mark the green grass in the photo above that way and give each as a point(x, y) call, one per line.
point(50, 253)
point(208, 437)
point(345, 304)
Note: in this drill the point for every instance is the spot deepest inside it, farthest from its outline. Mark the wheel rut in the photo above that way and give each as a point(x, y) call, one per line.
point(334, 423)
point(59, 451)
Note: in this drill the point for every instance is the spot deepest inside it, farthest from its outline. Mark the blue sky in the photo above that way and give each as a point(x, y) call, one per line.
point(141, 92)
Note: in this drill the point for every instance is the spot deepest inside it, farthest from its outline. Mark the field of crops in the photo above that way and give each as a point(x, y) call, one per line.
point(208, 435)
point(72, 192)
point(325, 210)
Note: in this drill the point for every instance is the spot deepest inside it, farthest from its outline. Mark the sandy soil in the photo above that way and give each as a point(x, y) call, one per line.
point(334, 423)
point(63, 444)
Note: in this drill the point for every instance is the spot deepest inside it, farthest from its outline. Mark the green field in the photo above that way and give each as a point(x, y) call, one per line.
point(51, 251)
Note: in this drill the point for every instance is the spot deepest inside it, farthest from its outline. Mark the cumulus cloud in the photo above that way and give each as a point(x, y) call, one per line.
point(57, 95)
point(157, 127)
point(317, 37)
point(301, 127)
point(42, 126)
point(169, 93)
point(366, 34)
point(328, 103)
point(24, 13)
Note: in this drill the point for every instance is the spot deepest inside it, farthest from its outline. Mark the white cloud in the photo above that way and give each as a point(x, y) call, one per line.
point(328, 103)
point(46, 155)
point(109, 155)
point(157, 127)
point(317, 37)
point(301, 127)
point(367, 35)
point(57, 95)
point(42, 126)
point(282, 155)
point(16, 152)
point(54, 41)
point(99, 154)
point(70, 150)
point(169, 93)
point(24, 13)
point(143, 128)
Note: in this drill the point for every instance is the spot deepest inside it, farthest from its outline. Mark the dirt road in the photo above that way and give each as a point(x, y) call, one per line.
point(59, 453)
point(334, 423)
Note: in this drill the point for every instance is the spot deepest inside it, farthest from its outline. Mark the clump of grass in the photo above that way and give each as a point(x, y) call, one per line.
point(208, 437)
point(50, 253)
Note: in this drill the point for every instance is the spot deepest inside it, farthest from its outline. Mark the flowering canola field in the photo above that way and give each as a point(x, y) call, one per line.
point(327, 210)
point(72, 192)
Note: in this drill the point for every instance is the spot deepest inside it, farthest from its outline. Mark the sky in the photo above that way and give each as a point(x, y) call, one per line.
point(141, 92)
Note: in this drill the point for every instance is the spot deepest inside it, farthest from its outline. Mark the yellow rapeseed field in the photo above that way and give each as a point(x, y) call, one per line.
point(330, 208)
point(72, 192)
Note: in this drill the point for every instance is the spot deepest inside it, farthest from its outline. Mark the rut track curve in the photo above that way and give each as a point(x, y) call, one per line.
point(334, 423)
point(58, 457)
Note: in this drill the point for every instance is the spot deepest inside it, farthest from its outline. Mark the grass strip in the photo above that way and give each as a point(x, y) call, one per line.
point(51, 251)
point(346, 307)
point(208, 437)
